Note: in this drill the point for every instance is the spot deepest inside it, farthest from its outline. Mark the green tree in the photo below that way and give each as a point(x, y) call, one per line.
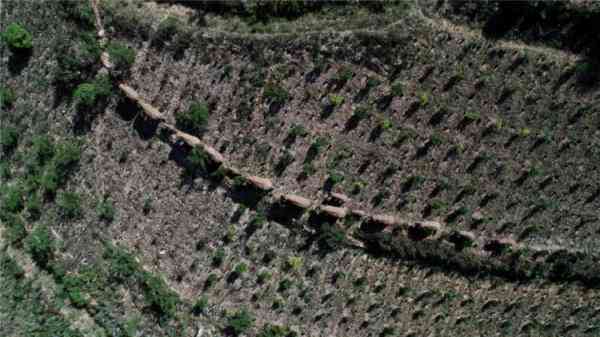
point(17, 38)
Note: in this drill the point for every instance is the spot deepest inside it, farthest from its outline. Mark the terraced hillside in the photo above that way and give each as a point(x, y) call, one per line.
point(299, 168)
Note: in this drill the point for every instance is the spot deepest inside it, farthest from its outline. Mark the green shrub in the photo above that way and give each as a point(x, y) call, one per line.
point(167, 28)
point(39, 245)
point(17, 38)
point(219, 257)
point(315, 148)
point(388, 332)
point(293, 263)
point(9, 267)
point(397, 89)
point(210, 281)
point(472, 116)
point(336, 100)
point(9, 138)
point(275, 93)
point(360, 113)
point(122, 265)
point(334, 178)
point(122, 57)
point(40, 153)
point(195, 119)
point(198, 160)
point(158, 295)
point(106, 210)
point(344, 74)
point(372, 83)
point(12, 199)
point(147, 206)
point(77, 60)
point(276, 331)
point(34, 206)
point(69, 205)
point(66, 158)
point(436, 139)
point(240, 322)
point(284, 161)
point(297, 131)
point(238, 271)
point(285, 285)
point(87, 94)
point(73, 285)
point(15, 229)
point(5, 171)
point(200, 305)
point(50, 180)
point(7, 97)
point(263, 277)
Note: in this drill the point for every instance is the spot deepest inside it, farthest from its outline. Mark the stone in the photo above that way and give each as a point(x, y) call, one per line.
point(261, 183)
point(423, 230)
point(214, 155)
point(129, 92)
point(336, 212)
point(150, 111)
point(341, 198)
point(297, 200)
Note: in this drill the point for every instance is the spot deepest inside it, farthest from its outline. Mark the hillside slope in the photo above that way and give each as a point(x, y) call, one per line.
point(191, 169)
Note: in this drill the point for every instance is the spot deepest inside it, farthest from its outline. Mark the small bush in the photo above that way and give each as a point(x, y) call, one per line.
point(77, 60)
point(275, 94)
point(344, 74)
point(336, 100)
point(472, 116)
point(334, 178)
point(195, 119)
point(39, 245)
point(69, 205)
point(7, 97)
point(263, 277)
point(285, 285)
point(9, 138)
point(360, 113)
point(210, 281)
point(15, 229)
point(308, 169)
point(87, 94)
point(122, 265)
point(50, 181)
point(147, 206)
point(293, 263)
point(294, 132)
point(167, 28)
point(276, 331)
point(198, 160)
point(106, 210)
point(40, 153)
point(315, 148)
point(34, 206)
point(12, 199)
point(122, 57)
point(158, 295)
point(66, 158)
point(397, 89)
point(73, 285)
point(219, 257)
point(284, 161)
point(238, 271)
point(200, 305)
point(17, 38)
point(240, 322)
